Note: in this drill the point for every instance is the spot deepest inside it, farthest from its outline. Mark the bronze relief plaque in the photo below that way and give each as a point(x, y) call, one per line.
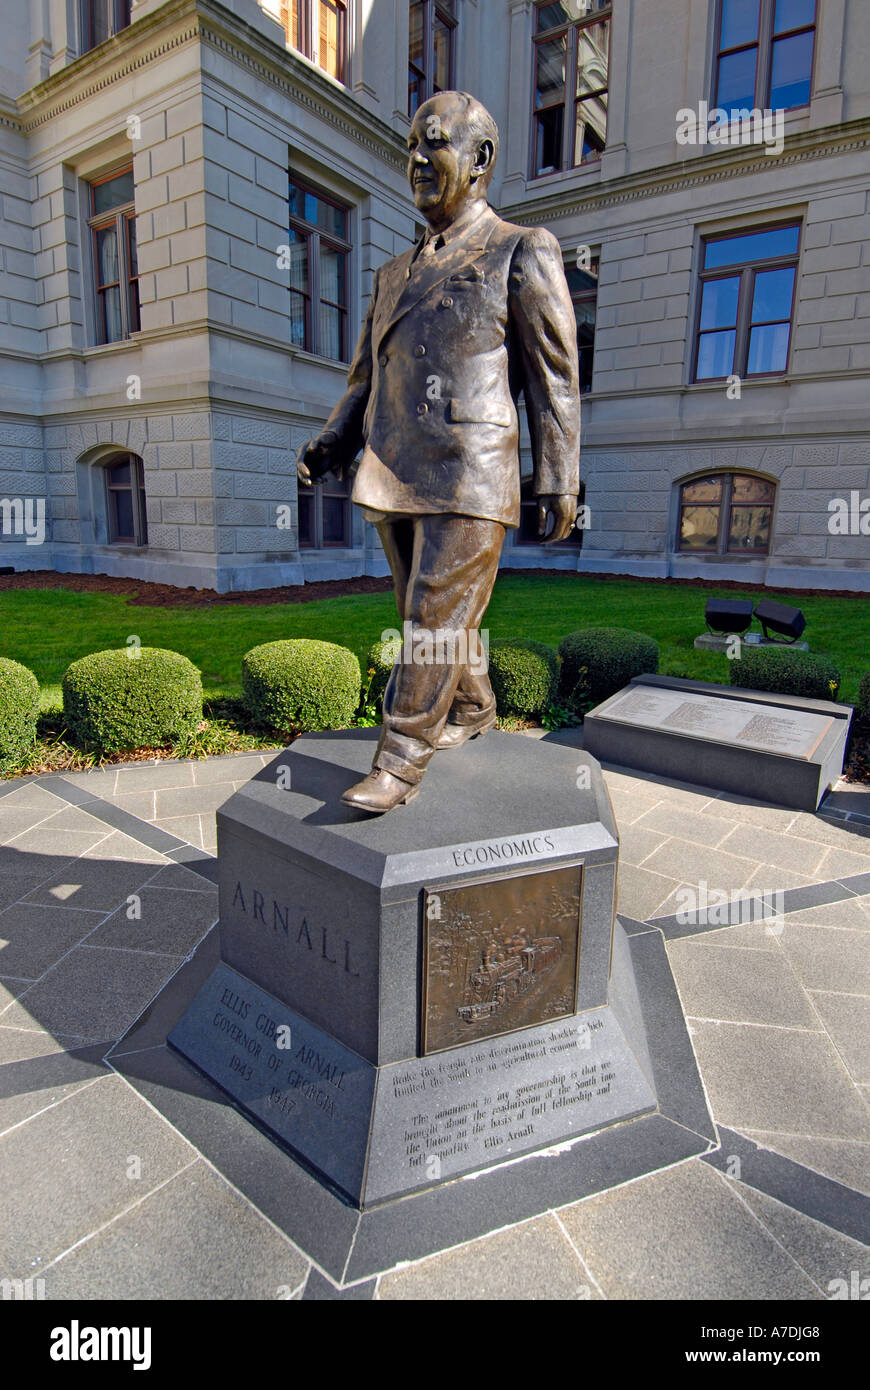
point(499, 955)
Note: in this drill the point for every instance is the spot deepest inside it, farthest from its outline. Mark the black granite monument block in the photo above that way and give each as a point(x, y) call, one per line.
point(408, 999)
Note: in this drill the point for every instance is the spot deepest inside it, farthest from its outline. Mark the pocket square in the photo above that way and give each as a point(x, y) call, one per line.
point(471, 275)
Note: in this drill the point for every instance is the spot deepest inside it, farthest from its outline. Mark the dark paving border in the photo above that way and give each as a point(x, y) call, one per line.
point(834, 890)
point(179, 851)
point(796, 1186)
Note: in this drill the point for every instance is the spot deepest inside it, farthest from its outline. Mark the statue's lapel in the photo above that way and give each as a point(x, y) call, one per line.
point(403, 290)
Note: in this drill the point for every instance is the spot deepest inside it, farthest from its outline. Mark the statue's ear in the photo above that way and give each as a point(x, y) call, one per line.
point(483, 159)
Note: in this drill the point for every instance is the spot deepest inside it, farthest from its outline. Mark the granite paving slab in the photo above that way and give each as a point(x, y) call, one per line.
point(533, 1261)
point(78, 1164)
point(34, 937)
point(715, 1246)
point(92, 992)
point(742, 987)
point(825, 1255)
point(154, 1250)
point(770, 1078)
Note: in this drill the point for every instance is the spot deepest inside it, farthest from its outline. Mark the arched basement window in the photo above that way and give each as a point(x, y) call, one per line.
point(725, 514)
point(125, 501)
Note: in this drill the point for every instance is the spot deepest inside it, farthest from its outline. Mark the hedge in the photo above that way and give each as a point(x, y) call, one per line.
point(19, 706)
point(133, 697)
point(524, 677)
point(297, 685)
point(863, 705)
point(598, 661)
point(787, 673)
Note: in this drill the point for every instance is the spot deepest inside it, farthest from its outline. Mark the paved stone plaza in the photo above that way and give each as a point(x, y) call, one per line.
point(107, 886)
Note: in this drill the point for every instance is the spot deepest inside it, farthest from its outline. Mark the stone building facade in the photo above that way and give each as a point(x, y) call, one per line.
point(195, 197)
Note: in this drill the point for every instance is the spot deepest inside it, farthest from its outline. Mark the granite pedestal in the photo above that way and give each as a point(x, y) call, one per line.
point(407, 1002)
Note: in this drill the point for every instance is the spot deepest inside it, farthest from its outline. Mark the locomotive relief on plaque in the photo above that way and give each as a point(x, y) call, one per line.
point(499, 955)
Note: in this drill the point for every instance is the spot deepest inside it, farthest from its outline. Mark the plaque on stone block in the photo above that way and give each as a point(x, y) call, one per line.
point(499, 954)
point(781, 748)
point(795, 733)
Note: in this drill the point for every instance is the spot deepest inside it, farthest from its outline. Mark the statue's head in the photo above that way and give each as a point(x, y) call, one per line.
point(453, 146)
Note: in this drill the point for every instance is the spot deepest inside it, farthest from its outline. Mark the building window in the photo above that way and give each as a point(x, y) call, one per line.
point(324, 515)
point(583, 285)
point(726, 514)
point(319, 273)
point(569, 119)
point(746, 301)
point(764, 54)
point(318, 29)
point(432, 35)
point(116, 270)
point(100, 19)
point(125, 501)
point(527, 531)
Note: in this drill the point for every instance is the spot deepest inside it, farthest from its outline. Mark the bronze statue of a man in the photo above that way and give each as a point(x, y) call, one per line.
point(477, 312)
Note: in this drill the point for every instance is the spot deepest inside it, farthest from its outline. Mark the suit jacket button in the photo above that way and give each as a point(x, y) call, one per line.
point(419, 350)
point(422, 408)
point(383, 359)
point(447, 302)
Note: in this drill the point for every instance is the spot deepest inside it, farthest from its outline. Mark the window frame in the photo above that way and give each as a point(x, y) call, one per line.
point(721, 549)
point(329, 486)
point(571, 99)
point(746, 271)
point(313, 299)
point(432, 9)
point(137, 498)
point(764, 58)
point(308, 13)
point(583, 297)
point(120, 217)
point(121, 18)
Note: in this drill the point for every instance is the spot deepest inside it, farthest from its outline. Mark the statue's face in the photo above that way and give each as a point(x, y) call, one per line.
point(443, 159)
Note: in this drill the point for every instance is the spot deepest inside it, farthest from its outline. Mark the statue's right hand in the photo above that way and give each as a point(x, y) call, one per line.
point(315, 458)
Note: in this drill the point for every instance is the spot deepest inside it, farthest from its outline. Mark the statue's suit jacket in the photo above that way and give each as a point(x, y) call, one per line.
point(447, 345)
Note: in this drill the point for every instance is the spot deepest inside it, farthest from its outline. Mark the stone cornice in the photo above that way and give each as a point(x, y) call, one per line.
point(725, 163)
point(205, 21)
point(9, 115)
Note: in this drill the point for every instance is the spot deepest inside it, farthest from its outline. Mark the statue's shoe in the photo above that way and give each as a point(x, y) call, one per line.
point(454, 735)
point(380, 792)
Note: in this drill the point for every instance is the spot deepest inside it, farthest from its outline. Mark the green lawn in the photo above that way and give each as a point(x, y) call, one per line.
point(47, 629)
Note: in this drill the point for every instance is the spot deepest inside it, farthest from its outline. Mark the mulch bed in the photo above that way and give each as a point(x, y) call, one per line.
point(142, 592)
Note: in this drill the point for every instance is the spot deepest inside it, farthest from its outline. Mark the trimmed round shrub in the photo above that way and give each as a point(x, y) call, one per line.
point(524, 676)
point(115, 701)
point(19, 706)
point(786, 673)
point(301, 684)
point(598, 661)
point(381, 657)
point(863, 706)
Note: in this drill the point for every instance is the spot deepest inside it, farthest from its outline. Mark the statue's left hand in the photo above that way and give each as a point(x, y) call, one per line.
point(563, 509)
